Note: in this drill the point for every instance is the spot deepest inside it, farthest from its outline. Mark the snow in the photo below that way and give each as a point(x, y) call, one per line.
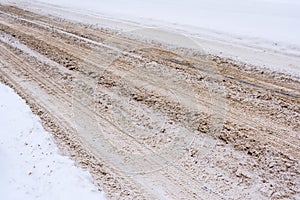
point(31, 164)
point(263, 33)
point(276, 21)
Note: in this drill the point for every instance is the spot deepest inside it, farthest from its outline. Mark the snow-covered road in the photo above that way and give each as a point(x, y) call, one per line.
point(274, 21)
point(118, 105)
point(262, 33)
point(31, 166)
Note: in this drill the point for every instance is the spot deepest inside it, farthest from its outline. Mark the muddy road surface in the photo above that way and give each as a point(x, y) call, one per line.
point(152, 120)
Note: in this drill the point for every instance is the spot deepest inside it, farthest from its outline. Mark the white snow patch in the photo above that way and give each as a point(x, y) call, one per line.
point(31, 165)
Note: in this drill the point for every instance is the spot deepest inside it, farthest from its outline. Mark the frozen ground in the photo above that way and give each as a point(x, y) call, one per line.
point(31, 165)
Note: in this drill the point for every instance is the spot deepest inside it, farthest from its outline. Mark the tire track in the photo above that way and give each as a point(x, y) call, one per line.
point(263, 142)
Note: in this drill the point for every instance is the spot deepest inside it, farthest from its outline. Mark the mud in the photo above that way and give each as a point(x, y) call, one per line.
point(153, 121)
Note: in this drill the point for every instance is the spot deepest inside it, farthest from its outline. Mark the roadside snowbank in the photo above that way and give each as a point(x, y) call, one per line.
point(31, 165)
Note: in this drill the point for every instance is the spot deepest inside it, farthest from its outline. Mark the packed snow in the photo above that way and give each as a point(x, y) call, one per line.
point(276, 21)
point(31, 164)
point(264, 33)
